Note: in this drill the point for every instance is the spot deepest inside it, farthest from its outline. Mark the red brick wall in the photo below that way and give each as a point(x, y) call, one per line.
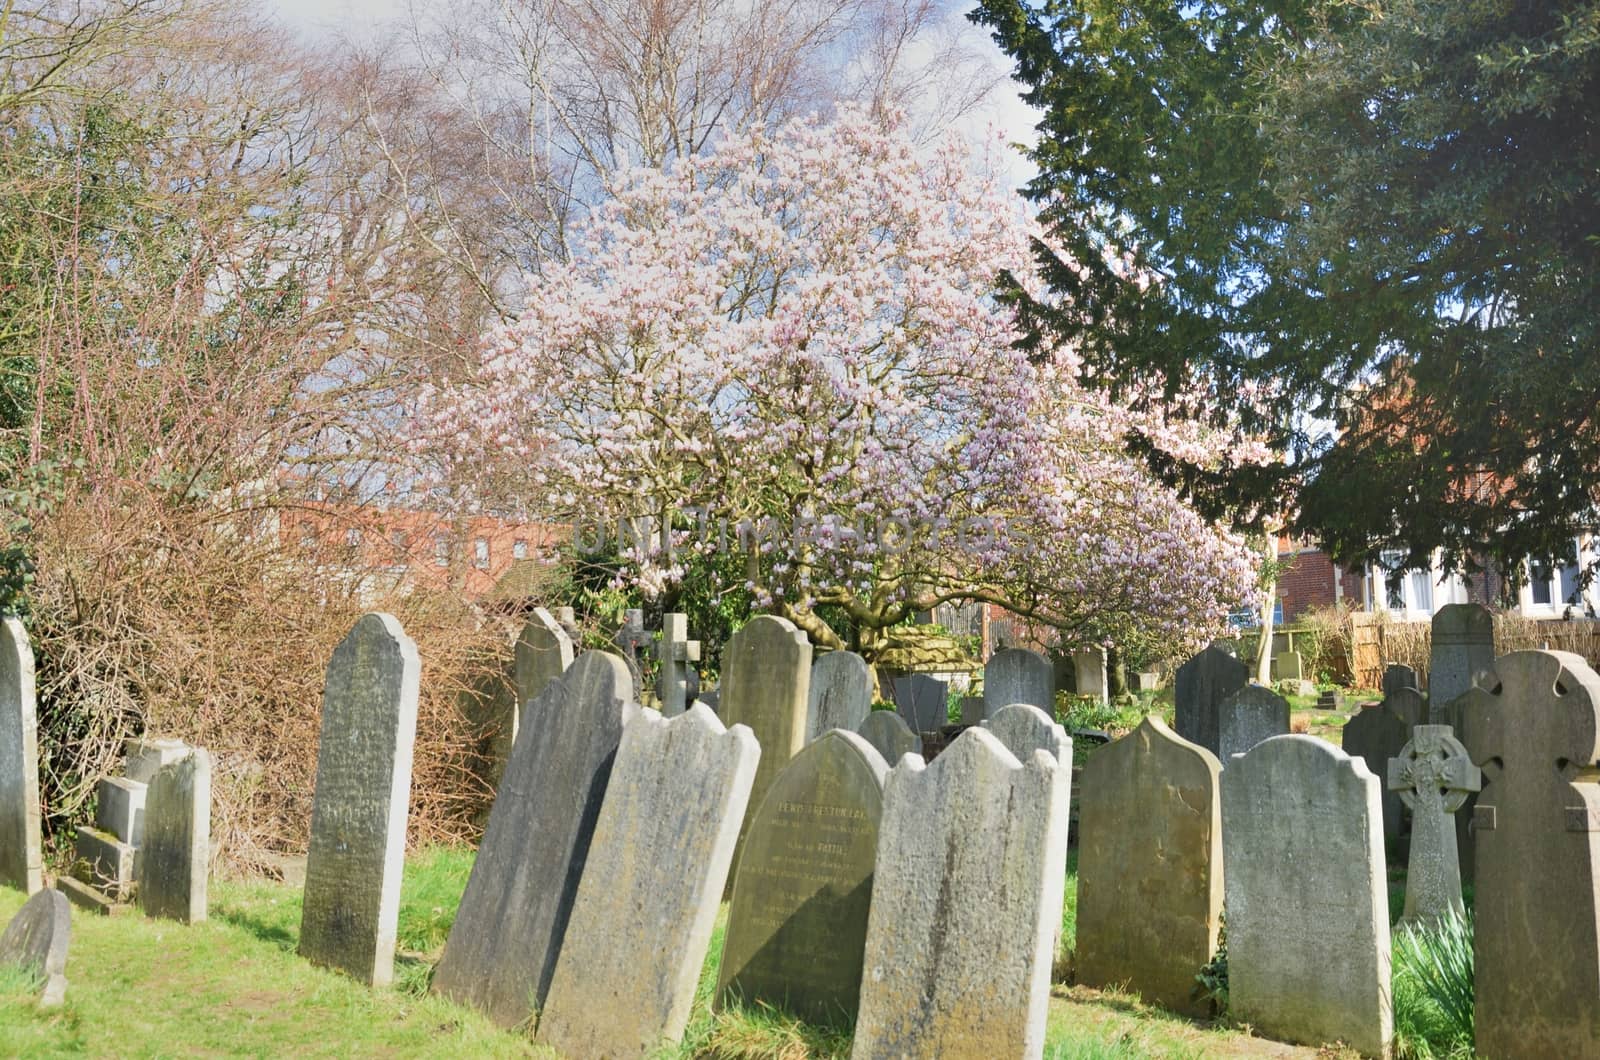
point(1308, 582)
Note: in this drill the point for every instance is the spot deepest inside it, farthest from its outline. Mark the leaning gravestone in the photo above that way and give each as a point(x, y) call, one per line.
point(1397, 676)
point(798, 921)
point(1024, 729)
point(1017, 675)
point(36, 941)
point(351, 905)
point(1307, 899)
point(173, 859)
point(21, 849)
point(890, 735)
point(1202, 684)
point(965, 904)
point(1536, 943)
point(513, 916)
point(841, 693)
point(766, 683)
point(922, 701)
point(1463, 645)
point(642, 920)
point(543, 652)
point(1250, 715)
point(1149, 866)
point(1433, 775)
point(1375, 736)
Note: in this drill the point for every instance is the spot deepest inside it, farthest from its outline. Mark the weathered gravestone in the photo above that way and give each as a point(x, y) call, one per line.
point(974, 710)
point(1089, 670)
point(358, 815)
point(1409, 705)
point(1017, 675)
point(1397, 676)
point(1433, 775)
point(173, 860)
point(1308, 906)
point(1250, 715)
point(631, 641)
point(965, 905)
point(1375, 736)
point(626, 975)
point(36, 941)
point(1202, 684)
point(513, 916)
point(1023, 729)
point(922, 701)
point(1149, 866)
point(543, 652)
point(1288, 666)
point(797, 925)
point(766, 683)
point(841, 693)
point(679, 681)
point(1462, 645)
point(1536, 940)
point(890, 735)
point(21, 850)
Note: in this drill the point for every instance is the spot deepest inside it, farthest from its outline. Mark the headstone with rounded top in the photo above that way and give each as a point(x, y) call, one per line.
point(1250, 715)
point(1375, 736)
point(1462, 647)
point(1023, 728)
point(890, 735)
point(840, 696)
point(36, 941)
point(1018, 675)
point(1397, 676)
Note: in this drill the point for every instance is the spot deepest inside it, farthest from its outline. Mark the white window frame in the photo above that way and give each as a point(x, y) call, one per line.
point(1443, 589)
point(1588, 600)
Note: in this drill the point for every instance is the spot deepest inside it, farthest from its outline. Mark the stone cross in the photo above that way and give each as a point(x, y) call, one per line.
point(631, 639)
point(1434, 776)
point(675, 651)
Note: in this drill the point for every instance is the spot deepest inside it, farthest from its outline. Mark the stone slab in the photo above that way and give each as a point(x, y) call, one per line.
point(1202, 684)
point(1377, 735)
point(89, 899)
point(1462, 646)
point(1018, 675)
point(143, 755)
point(21, 849)
point(625, 979)
point(1089, 670)
point(797, 925)
point(1250, 715)
point(508, 931)
point(922, 701)
point(174, 860)
point(888, 733)
point(36, 941)
point(840, 695)
point(104, 861)
point(351, 902)
point(119, 808)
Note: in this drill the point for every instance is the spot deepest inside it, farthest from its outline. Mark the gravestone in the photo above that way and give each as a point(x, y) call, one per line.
point(543, 652)
point(974, 710)
point(1089, 669)
point(766, 683)
point(625, 979)
point(922, 701)
point(21, 849)
point(797, 925)
point(631, 640)
point(711, 698)
point(1250, 715)
point(1017, 675)
point(1463, 645)
point(513, 916)
point(841, 693)
point(1433, 775)
point(965, 904)
point(1288, 666)
point(890, 735)
point(1397, 676)
point(679, 681)
point(1409, 705)
point(1202, 684)
point(1023, 728)
point(1307, 899)
point(1147, 681)
point(1149, 866)
point(358, 816)
point(1375, 736)
point(174, 858)
point(1536, 943)
point(36, 941)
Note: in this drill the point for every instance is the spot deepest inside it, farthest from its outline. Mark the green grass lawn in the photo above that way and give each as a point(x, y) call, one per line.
point(234, 987)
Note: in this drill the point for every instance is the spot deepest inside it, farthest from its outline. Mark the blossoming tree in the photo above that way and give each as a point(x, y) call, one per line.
point(790, 346)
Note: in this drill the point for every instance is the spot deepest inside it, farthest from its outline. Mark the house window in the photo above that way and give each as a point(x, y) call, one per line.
point(441, 552)
point(1552, 587)
point(480, 553)
point(519, 549)
point(1422, 591)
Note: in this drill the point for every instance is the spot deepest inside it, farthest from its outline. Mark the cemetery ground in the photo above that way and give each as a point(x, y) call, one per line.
point(234, 986)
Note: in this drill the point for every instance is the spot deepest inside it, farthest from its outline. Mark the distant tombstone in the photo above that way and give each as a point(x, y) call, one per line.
point(644, 912)
point(1147, 681)
point(1433, 775)
point(797, 924)
point(1149, 824)
point(1017, 675)
point(542, 653)
point(631, 640)
point(711, 698)
point(36, 941)
point(1409, 705)
point(1202, 684)
point(677, 654)
point(1397, 676)
point(1307, 899)
point(174, 858)
point(965, 905)
point(923, 702)
point(1023, 728)
point(1463, 645)
point(351, 904)
point(1536, 940)
point(841, 693)
point(1288, 666)
point(1250, 715)
point(1375, 736)
point(974, 710)
point(890, 735)
point(508, 930)
point(1089, 666)
point(21, 849)
point(766, 683)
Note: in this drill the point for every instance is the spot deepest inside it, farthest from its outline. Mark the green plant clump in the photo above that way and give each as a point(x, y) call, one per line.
point(1433, 989)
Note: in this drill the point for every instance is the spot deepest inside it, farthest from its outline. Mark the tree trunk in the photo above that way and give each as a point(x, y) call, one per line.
point(1269, 597)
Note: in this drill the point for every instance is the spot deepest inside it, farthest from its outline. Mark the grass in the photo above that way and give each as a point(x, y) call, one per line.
point(1433, 990)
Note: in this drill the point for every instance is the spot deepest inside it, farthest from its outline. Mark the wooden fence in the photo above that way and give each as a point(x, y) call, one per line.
point(1374, 640)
